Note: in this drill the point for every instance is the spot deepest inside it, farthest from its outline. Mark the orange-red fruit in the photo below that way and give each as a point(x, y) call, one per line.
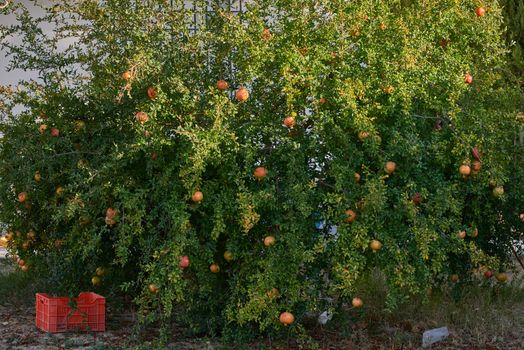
point(141, 117)
point(480, 11)
point(111, 213)
point(21, 262)
point(152, 92)
point(55, 132)
point(260, 173)
point(455, 278)
point(468, 79)
point(184, 262)
point(266, 34)
point(286, 318)
point(197, 197)
point(126, 75)
point(382, 26)
point(222, 85)
point(269, 241)
point(389, 90)
point(357, 302)
point(357, 177)
point(273, 293)
point(322, 100)
point(461, 234)
point(22, 197)
point(417, 198)
point(153, 289)
point(214, 268)
point(488, 274)
point(390, 167)
point(474, 232)
point(475, 166)
point(464, 170)
point(350, 216)
point(242, 94)
point(289, 122)
point(363, 135)
point(375, 245)
point(521, 217)
point(24, 268)
point(42, 128)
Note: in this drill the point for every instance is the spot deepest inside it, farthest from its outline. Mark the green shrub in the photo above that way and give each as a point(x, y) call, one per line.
point(363, 83)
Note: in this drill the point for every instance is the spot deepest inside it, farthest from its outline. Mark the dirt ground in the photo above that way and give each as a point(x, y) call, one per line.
point(481, 326)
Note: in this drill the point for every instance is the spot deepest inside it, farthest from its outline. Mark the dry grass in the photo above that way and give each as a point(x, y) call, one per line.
point(478, 316)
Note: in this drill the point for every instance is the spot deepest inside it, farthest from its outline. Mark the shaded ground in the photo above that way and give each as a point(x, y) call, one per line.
point(484, 318)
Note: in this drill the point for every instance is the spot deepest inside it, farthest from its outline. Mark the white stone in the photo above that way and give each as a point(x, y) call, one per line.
point(434, 335)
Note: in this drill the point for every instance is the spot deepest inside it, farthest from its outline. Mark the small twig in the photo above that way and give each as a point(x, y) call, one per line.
point(517, 256)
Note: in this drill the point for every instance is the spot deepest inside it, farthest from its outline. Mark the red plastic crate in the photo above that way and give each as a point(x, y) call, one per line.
point(54, 315)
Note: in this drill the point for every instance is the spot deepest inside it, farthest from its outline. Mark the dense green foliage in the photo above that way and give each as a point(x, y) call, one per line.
point(363, 82)
point(514, 20)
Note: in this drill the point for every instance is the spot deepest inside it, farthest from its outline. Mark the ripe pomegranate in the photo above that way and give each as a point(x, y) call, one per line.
point(42, 128)
point(474, 233)
point(455, 278)
point(266, 34)
point(59, 191)
point(242, 94)
point(357, 177)
point(184, 262)
point(375, 245)
point(153, 289)
point(389, 89)
point(363, 135)
point(357, 302)
point(390, 167)
point(273, 293)
point(21, 262)
point(260, 173)
point(214, 268)
point(126, 75)
point(468, 78)
point(464, 170)
point(141, 117)
point(480, 11)
point(22, 197)
point(461, 234)
point(152, 92)
point(488, 274)
point(222, 85)
point(55, 132)
point(521, 217)
point(475, 166)
point(269, 241)
point(24, 268)
point(289, 122)
point(197, 197)
point(417, 198)
point(286, 318)
point(382, 26)
point(322, 101)
point(350, 216)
